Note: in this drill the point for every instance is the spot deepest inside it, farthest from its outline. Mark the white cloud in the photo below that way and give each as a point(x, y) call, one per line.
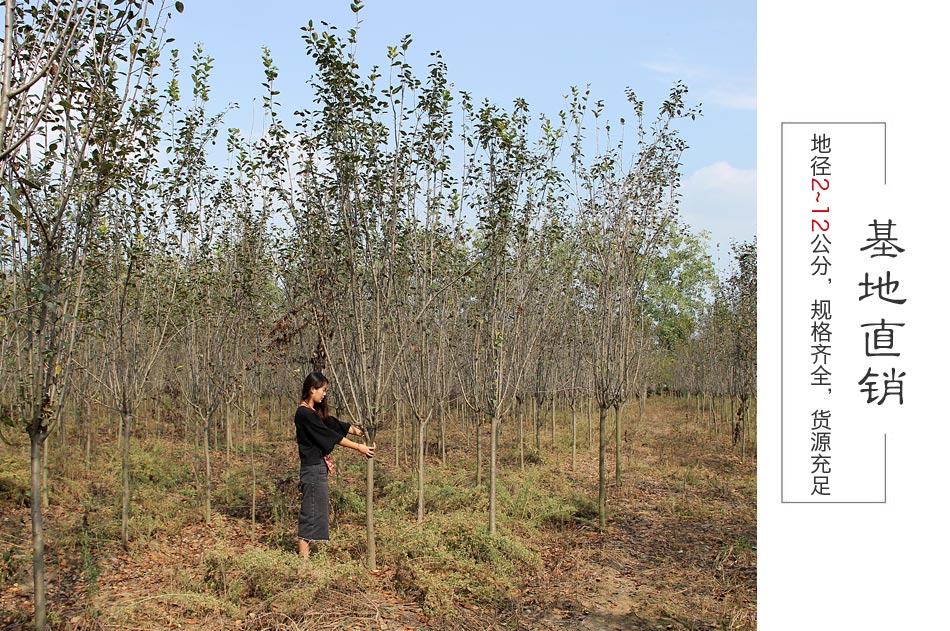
point(714, 87)
point(720, 198)
point(722, 177)
point(733, 100)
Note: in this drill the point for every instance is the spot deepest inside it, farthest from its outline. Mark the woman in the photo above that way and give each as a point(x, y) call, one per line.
point(317, 434)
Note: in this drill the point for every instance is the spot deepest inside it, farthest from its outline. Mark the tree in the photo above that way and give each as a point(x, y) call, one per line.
point(741, 293)
point(348, 220)
point(507, 185)
point(196, 197)
point(40, 41)
point(425, 253)
point(678, 285)
point(68, 81)
point(626, 211)
point(134, 276)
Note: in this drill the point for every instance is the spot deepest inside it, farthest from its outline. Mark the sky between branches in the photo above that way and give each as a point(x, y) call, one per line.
point(505, 49)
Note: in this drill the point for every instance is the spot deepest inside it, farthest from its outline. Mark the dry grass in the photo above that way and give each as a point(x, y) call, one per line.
point(678, 553)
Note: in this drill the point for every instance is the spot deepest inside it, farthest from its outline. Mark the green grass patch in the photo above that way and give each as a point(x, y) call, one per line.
point(278, 577)
point(14, 482)
point(451, 559)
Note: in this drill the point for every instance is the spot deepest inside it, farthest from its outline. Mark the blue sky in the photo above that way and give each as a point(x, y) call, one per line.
point(534, 50)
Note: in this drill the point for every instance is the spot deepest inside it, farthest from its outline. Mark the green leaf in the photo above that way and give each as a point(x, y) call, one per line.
point(14, 208)
point(180, 7)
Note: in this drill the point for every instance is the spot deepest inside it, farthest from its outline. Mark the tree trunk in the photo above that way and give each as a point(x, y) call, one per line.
point(397, 435)
point(207, 452)
point(521, 439)
point(536, 415)
point(602, 470)
point(88, 420)
point(143, 419)
point(63, 430)
point(740, 422)
point(408, 441)
point(244, 421)
point(250, 447)
point(227, 437)
point(732, 406)
point(442, 434)
point(45, 490)
point(699, 417)
point(478, 453)
point(717, 417)
point(36, 511)
point(492, 473)
point(420, 513)
point(573, 437)
point(618, 443)
point(590, 425)
point(370, 518)
point(553, 430)
point(126, 486)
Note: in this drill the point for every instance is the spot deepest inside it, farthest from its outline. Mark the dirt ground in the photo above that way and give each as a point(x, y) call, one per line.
point(678, 553)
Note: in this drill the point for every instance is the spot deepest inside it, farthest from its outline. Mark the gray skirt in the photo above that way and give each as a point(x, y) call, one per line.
point(314, 522)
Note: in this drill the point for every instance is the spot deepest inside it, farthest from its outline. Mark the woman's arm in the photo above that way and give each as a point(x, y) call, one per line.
point(364, 449)
point(356, 431)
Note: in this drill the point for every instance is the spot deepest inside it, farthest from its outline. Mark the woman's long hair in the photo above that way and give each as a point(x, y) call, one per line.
point(316, 380)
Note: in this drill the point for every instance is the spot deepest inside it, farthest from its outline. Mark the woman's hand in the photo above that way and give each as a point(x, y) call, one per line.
point(366, 450)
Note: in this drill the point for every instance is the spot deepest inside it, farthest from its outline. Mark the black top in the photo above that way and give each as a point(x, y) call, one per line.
point(317, 438)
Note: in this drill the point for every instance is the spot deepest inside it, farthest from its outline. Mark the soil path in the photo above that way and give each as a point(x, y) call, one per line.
point(653, 571)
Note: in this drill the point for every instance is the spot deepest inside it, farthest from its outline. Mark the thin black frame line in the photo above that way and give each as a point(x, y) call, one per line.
point(782, 314)
point(782, 309)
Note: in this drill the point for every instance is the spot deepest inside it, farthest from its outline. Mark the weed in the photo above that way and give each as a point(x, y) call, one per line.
point(89, 566)
point(8, 565)
point(533, 456)
point(686, 492)
point(449, 498)
point(345, 500)
point(232, 490)
point(14, 483)
point(202, 605)
point(257, 574)
point(400, 495)
point(277, 577)
point(451, 559)
point(161, 463)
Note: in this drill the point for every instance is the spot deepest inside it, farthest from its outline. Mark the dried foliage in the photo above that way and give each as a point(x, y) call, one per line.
point(679, 548)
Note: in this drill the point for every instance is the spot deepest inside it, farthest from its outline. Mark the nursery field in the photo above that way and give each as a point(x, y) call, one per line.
point(679, 551)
